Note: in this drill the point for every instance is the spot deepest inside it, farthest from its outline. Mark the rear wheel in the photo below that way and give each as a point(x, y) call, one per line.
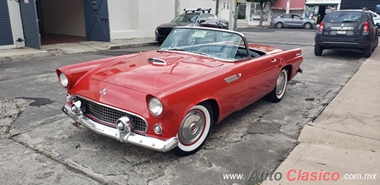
point(376, 42)
point(367, 51)
point(318, 50)
point(279, 91)
point(194, 129)
point(279, 25)
point(307, 25)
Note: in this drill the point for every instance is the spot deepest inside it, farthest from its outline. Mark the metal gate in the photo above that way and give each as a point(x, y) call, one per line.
point(6, 37)
point(29, 20)
point(96, 20)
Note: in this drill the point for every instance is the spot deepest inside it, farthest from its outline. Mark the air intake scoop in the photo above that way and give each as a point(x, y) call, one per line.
point(157, 61)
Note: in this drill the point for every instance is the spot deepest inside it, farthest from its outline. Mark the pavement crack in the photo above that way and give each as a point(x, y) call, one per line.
point(351, 134)
point(60, 161)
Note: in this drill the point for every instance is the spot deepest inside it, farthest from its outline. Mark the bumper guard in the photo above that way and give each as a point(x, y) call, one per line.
point(126, 137)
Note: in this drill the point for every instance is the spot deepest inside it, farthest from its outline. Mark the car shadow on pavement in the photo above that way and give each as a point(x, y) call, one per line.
point(342, 53)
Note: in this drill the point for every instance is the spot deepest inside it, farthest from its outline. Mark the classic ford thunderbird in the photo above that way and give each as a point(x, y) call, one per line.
point(169, 99)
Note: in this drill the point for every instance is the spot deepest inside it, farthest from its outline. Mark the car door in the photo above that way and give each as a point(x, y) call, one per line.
point(297, 21)
point(234, 82)
point(287, 20)
point(263, 72)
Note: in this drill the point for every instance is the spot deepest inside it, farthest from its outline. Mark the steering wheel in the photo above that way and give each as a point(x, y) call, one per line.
point(238, 53)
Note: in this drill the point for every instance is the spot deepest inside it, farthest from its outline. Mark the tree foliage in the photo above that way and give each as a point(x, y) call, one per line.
point(262, 3)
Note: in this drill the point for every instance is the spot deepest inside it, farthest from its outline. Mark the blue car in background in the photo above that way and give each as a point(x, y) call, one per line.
point(292, 20)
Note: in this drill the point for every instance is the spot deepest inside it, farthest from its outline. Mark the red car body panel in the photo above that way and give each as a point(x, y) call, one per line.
point(186, 80)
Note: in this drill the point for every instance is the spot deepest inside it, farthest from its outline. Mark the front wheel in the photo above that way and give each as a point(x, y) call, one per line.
point(279, 91)
point(194, 129)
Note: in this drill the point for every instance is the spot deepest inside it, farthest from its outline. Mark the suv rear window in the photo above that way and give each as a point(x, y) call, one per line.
point(342, 17)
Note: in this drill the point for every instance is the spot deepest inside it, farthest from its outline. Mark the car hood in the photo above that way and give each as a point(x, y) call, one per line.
point(173, 24)
point(153, 70)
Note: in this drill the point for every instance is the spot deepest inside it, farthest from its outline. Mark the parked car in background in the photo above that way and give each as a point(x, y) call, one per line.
point(375, 16)
point(170, 98)
point(347, 29)
point(256, 16)
point(292, 20)
point(192, 17)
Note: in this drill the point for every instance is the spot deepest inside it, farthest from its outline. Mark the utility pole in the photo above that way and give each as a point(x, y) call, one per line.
point(287, 6)
point(217, 8)
point(177, 6)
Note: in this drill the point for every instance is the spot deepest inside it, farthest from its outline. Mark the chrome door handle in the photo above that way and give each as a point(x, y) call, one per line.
point(273, 61)
point(233, 78)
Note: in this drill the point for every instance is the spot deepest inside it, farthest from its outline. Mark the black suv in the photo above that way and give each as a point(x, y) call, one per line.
point(347, 29)
point(191, 17)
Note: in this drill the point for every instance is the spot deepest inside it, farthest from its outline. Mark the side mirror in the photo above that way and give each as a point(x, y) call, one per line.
point(202, 21)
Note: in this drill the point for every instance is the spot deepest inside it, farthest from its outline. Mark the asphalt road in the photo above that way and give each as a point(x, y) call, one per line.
point(38, 144)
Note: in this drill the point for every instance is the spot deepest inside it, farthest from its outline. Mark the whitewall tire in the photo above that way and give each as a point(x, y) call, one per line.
point(194, 129)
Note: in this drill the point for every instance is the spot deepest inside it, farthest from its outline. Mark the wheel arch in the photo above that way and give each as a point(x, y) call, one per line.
point(215, 109)
point(289, 69)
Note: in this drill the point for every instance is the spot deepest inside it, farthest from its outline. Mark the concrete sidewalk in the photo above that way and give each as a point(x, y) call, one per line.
point(343, 143)
point(7, 55)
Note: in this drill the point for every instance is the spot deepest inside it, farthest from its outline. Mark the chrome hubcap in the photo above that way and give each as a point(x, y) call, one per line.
point(280, 83)
point(192, 127)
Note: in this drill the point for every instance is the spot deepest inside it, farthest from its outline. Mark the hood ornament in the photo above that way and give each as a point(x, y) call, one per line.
point(103, 92)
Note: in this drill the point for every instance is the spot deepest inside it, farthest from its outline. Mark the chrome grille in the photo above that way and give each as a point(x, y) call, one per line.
point(164, 31)
point(110, 115)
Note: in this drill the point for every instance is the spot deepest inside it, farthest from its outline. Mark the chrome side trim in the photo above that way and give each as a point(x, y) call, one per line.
point(147, 125)
point(126, 137)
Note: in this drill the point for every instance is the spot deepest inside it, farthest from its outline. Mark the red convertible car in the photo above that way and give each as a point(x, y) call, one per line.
point(169, 99)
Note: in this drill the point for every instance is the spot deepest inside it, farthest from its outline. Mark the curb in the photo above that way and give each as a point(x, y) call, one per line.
point(132, 45)
point(60, 52)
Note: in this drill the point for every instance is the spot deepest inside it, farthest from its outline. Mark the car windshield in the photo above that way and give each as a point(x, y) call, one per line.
point(342, 17)
point(220, 44)
point(186, 17)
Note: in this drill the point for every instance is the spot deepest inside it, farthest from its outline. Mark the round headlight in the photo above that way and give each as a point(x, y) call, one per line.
point(63, 80)
point(155, 106)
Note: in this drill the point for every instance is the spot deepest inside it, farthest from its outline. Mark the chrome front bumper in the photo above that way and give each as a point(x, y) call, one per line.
point(127, 137)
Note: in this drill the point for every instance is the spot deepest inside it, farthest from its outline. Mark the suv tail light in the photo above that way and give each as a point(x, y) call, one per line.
point(321, 26)
point(365, 27)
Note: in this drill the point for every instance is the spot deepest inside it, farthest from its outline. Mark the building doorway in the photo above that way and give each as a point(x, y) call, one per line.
point(321, 13)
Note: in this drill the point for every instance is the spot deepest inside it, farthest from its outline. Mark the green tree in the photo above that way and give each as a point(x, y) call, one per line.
point(262, 3)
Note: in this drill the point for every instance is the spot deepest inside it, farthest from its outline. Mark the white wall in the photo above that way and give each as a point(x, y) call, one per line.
point(63, 17)
point(137, 18)
point(197, 4)
point(16, 24)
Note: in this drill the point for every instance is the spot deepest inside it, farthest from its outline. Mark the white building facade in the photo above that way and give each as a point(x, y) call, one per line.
point(317, 9)
point(27, 21)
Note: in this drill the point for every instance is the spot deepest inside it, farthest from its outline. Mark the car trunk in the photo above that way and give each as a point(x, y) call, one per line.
point(343, 30)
